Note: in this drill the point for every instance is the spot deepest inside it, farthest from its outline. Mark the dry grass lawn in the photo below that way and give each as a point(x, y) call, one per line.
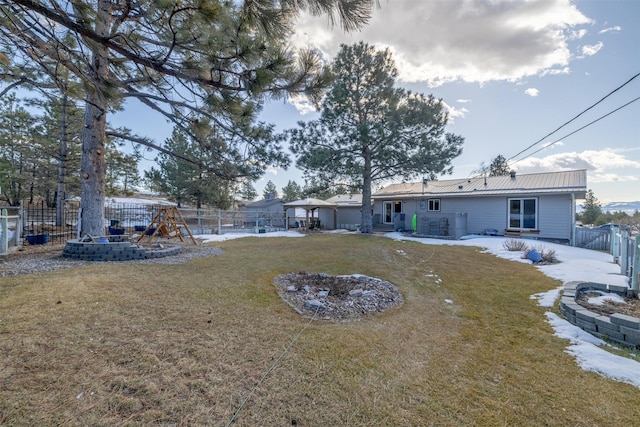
point(177, 345)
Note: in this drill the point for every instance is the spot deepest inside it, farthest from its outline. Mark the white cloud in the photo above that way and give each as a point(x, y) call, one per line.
point(578, 34)
point(617, 28)
point(590, 50)
point(555, 71)
point(602, 163)
point(444, 41)
point(611, 177)
point(463, 101)
point(532, 92)
point(302, 104)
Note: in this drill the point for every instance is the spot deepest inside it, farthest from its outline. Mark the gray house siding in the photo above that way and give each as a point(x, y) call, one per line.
point(476, 215)
point(486, 203)
point(553, 218)
point(482, 213)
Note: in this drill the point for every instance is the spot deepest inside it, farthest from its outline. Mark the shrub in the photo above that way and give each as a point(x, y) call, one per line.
point(515, 245)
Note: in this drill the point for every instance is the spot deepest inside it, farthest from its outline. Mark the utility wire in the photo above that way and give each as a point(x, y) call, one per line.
point(271, 368)
point(577, 130)
point(581, 113)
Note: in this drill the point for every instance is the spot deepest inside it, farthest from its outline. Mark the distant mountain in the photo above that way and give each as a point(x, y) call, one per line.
point(627, 207)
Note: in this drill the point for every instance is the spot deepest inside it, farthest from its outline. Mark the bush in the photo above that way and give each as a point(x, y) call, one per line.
point(548, 255)
point(514, 245)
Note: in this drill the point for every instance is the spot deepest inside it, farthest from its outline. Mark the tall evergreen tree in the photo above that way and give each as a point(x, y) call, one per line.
point(220, 57)
point(247, 191)
point(370, 131)
point(270, 190)
point(292, 191)
point(592, 208)
point(188, 182)
point(20, 140)
point(499, 166)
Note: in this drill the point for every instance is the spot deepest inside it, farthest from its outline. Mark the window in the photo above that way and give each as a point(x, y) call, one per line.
point(433, 205)
point(390, 210)
point(523, 214)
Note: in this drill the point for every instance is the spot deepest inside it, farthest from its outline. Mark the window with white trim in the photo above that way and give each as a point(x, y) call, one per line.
point(433, 205)
point(523, 214)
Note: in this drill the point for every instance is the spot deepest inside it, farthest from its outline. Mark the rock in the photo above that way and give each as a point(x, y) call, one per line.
point(292, 288)
point(314, 304)
point(368, 293)
point(355, 292)
point(323, 294)
point(306, 288)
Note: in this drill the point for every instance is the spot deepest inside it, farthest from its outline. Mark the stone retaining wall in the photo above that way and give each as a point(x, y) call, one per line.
point(616, 327)
point(117, 249)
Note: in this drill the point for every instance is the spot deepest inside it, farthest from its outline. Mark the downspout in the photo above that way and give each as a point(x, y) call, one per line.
point(573, 219)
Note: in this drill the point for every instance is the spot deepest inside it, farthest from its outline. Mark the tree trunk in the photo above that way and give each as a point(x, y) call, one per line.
point(62, 165)
point(93, 166)
point(367, 219)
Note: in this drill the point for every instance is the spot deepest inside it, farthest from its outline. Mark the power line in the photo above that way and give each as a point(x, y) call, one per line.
point(574, 118)
point(577, 130)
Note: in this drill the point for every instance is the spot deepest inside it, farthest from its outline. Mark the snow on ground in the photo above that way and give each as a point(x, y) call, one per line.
point(575, 264)
point(138, 201)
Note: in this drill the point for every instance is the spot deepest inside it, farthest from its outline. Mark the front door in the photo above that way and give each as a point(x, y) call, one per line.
point(389, 211)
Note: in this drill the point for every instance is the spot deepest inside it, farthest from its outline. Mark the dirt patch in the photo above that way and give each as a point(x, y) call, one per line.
point(337, 298)
point(630, 308)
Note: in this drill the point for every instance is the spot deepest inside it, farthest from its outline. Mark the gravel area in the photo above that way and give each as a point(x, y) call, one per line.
point(336, 298)
point(42, 259)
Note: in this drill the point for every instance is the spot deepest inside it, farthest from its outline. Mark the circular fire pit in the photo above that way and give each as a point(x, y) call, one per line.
point(114, 248)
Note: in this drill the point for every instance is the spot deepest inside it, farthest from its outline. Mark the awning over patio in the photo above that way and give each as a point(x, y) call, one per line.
point(310, 205)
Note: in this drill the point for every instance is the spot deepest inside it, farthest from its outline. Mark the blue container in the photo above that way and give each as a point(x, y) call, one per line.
point(534, 256)
point(115, 231)
point(38, 239)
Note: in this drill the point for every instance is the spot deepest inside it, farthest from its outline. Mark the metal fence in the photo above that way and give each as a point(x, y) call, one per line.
point(36, 223)
point(217, 221)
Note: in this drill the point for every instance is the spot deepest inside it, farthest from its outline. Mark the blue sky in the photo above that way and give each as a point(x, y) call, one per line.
point(510, 72)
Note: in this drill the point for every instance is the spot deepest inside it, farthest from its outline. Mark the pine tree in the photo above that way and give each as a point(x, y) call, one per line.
point(292, 191)
point(371, 131)
point(592, 208)
point(221, 59)
point(270, 191)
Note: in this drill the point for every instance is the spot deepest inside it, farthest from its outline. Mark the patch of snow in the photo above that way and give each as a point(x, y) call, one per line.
point(606, 297)
point(585, 348)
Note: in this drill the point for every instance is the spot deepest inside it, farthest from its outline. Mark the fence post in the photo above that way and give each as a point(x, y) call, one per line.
point(4, 235)
point(615, 243)
point(78, 224)
point(219, 222)
point(624, 252)
point(635, 266)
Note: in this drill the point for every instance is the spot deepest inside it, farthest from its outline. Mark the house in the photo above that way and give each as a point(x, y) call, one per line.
point(347, 215)
point(268, 211)
point(541, 205)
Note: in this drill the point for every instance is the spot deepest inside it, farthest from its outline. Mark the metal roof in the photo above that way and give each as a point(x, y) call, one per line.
point(346, 200)
point(309, 203)
point(263, 203)
point(572, 181)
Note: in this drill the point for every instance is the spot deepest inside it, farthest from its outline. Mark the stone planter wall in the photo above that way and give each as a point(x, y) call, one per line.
point(616, 327)
point(117, 249)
